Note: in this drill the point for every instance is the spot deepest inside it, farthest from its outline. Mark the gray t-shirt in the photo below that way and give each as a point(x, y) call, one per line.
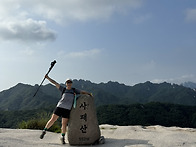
point(67, 98)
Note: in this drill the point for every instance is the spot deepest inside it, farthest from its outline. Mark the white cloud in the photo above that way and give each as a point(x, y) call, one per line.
point(82, 10)
point(191, 15)
point(26, 30)
point(67, 10)
point(80, 54)
point(27, 20)
point(16, 24)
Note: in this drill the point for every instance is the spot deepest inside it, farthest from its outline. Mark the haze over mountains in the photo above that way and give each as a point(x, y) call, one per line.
point(189, 85)
point(20, 97)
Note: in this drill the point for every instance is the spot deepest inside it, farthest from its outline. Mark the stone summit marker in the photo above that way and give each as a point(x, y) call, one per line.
point(83, 128)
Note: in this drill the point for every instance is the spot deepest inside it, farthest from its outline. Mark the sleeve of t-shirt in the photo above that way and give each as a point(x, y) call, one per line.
point(61, 88)
point(77, 91)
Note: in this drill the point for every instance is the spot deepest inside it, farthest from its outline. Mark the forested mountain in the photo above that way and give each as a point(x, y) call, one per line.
point(135, 114)
point(148, 114)
point(20, 97)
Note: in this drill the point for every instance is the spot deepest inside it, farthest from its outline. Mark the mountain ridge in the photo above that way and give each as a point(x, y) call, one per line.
point(20, 96)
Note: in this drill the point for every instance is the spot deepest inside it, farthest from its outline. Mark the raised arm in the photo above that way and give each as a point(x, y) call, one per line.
point(52, 81)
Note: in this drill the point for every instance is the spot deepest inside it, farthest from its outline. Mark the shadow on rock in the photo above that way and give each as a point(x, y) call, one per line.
point(118, 143)
point(125, 142)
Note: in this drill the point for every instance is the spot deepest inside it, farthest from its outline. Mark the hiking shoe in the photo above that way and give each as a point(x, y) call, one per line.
point(101, 140)
point(62, 140)
point(42, 135)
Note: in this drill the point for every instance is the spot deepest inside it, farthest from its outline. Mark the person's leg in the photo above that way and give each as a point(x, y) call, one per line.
point(51, 121)
point(49, 124)
point(63, 129)
point(64, 125)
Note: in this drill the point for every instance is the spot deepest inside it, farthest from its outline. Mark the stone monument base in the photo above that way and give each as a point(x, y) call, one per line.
point(83, 128)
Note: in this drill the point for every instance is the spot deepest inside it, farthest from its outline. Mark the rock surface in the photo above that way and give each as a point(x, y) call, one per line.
point(116, 136)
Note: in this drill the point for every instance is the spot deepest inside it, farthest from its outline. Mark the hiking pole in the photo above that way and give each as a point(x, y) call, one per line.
point(51, 66)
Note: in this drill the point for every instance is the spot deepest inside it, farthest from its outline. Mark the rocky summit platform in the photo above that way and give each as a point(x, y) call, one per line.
point(116, 136)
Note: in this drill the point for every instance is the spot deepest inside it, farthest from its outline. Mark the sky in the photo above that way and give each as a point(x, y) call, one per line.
point(128, 41)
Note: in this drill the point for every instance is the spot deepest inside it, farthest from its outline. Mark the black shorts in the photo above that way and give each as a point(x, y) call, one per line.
point(65, 113)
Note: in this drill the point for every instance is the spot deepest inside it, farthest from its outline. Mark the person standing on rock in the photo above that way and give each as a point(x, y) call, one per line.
point(63, 107)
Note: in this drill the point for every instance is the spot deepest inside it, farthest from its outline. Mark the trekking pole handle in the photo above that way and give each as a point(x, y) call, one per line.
point(51, 66)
